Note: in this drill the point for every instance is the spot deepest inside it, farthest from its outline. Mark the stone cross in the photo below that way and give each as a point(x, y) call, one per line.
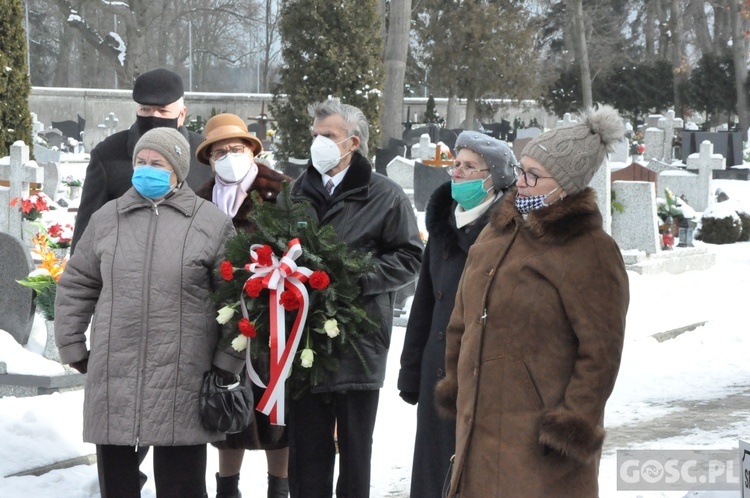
point(669, 124)
point(36, 125)
point(696, 188)
point(111, 123)
point(19, 172)
point(424, 150)
point(567, 120)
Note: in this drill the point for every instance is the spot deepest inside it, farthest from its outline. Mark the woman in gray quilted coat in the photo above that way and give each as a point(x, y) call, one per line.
point(142, 275)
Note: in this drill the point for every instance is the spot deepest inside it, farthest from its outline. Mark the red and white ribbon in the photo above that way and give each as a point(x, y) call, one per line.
point(282, 274)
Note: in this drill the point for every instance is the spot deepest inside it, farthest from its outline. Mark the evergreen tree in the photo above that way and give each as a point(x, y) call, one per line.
point(710, 88)
point(329, 49)
point(15, 120)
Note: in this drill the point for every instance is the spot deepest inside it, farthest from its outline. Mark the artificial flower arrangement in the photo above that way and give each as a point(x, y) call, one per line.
point(43, 280)
point(32, 206)
point(59, 236)
point(72, 182)
point(637, 147)
point(288, 297)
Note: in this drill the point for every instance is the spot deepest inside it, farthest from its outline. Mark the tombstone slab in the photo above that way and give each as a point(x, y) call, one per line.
point(637, 226)
point(16, 301)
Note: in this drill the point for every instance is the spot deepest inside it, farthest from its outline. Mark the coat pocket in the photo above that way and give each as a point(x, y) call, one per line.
point(520, 392)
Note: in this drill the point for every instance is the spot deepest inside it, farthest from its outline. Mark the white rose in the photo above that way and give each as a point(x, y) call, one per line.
point(239, 343)
point(307, 357)
point(331, 327)
point(225, 314)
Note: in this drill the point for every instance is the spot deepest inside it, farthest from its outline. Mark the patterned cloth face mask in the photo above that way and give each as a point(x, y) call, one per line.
point(527, 204)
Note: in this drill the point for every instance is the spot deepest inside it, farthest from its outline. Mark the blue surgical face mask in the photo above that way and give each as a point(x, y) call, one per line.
point(469, 194)
point(151, 182)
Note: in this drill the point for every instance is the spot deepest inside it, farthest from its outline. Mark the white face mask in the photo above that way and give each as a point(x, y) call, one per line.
point(231, 168)
point(325, 153)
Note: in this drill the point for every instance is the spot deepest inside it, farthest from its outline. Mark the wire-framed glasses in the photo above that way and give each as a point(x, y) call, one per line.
point(219, 154)
point(467, 170)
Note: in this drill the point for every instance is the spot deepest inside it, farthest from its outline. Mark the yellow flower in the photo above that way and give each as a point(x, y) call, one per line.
point(331, 327)
point(239, 343)
point(52, 264)
point(307, 356)
point(225, 314)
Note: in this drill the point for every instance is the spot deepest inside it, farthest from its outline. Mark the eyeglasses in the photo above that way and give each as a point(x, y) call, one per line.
point(219, 154)
point(529, 178)
point(467, 170)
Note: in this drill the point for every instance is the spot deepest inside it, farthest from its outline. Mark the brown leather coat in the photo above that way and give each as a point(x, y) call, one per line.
point(533, 349)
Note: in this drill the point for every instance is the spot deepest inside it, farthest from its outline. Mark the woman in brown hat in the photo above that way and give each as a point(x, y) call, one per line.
point(232, 152)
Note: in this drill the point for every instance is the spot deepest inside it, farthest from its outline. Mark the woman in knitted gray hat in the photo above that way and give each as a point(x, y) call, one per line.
point(456, 213)
point(143, 276)
point(534, 342)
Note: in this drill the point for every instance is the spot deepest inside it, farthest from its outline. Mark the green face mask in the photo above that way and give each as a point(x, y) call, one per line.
point(468, 194)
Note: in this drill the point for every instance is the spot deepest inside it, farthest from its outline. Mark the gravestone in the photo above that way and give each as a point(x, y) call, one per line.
point(16, 301)
point(697, 188)
point(448, 137)
point(728, 144)
point(53, 136)
point(668, 124)
point(49, 160)
point(383, 157)
point(528, 132)
point(401, 171)
point(293, 167)
point(621, 152)
point(637, 226)
point(424, 150)
point(36, 126)
point(567, 120)
point(635, 172)
point(499, 130)
point(414, 135)
point(426, 180)
point(111, 123)
point(18, 171)
point(70, 128)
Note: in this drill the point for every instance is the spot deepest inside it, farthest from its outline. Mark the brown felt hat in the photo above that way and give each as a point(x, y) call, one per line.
point(221, 127)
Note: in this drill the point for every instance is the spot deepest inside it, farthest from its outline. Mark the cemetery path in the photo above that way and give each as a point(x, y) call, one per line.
point(690, 416)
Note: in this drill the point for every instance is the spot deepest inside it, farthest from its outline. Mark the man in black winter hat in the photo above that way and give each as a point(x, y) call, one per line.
point(159, 97)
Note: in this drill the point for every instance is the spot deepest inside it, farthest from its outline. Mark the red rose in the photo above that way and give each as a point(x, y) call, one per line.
point(253, 287)
point(246, 328)
point(41, 203)
point(227, 270)
point(289, 300)
point(55, 230)
point(641, 148)
point(319, 280)
point(26, 206)
point(264, 255)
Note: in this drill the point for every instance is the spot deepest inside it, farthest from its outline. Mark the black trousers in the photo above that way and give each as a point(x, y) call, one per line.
point(312, 452)
point(179, 471)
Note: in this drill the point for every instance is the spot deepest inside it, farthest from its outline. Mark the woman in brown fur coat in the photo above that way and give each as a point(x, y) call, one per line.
point(232, 153)
point(535, 339)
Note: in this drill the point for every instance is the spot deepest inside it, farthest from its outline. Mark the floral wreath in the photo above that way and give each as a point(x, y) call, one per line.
point(288, 296)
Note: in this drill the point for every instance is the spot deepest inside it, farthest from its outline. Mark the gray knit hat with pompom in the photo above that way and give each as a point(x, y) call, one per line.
point(573, 154)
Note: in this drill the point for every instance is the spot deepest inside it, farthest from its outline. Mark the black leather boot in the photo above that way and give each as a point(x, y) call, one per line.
point(227, 487)
point(278, 487)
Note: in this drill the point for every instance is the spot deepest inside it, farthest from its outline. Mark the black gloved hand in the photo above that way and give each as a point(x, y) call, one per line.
point(82, 366)
point(227, 378)
point(409, 397)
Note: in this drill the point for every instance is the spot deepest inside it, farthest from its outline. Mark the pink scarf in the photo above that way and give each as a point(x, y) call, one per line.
point(229, 196)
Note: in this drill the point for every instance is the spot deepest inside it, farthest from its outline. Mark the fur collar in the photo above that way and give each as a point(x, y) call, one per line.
point(439, 213)
point(562, 221)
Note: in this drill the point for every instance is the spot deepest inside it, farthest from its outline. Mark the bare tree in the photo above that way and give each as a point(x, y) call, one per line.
point(396, 48)
point(739, 51)
point(582, 55)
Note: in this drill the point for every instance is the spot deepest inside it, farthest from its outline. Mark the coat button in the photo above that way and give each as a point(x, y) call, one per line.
point(440, 295)
point(491, 272)
point(475, 371)
point(440, 335)
point(440, 372)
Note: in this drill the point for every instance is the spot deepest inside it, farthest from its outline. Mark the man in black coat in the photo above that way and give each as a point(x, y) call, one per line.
point(370, 213)
point(159, 95)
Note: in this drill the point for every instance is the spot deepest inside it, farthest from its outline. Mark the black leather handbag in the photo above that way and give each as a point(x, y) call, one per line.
point(225, 408)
